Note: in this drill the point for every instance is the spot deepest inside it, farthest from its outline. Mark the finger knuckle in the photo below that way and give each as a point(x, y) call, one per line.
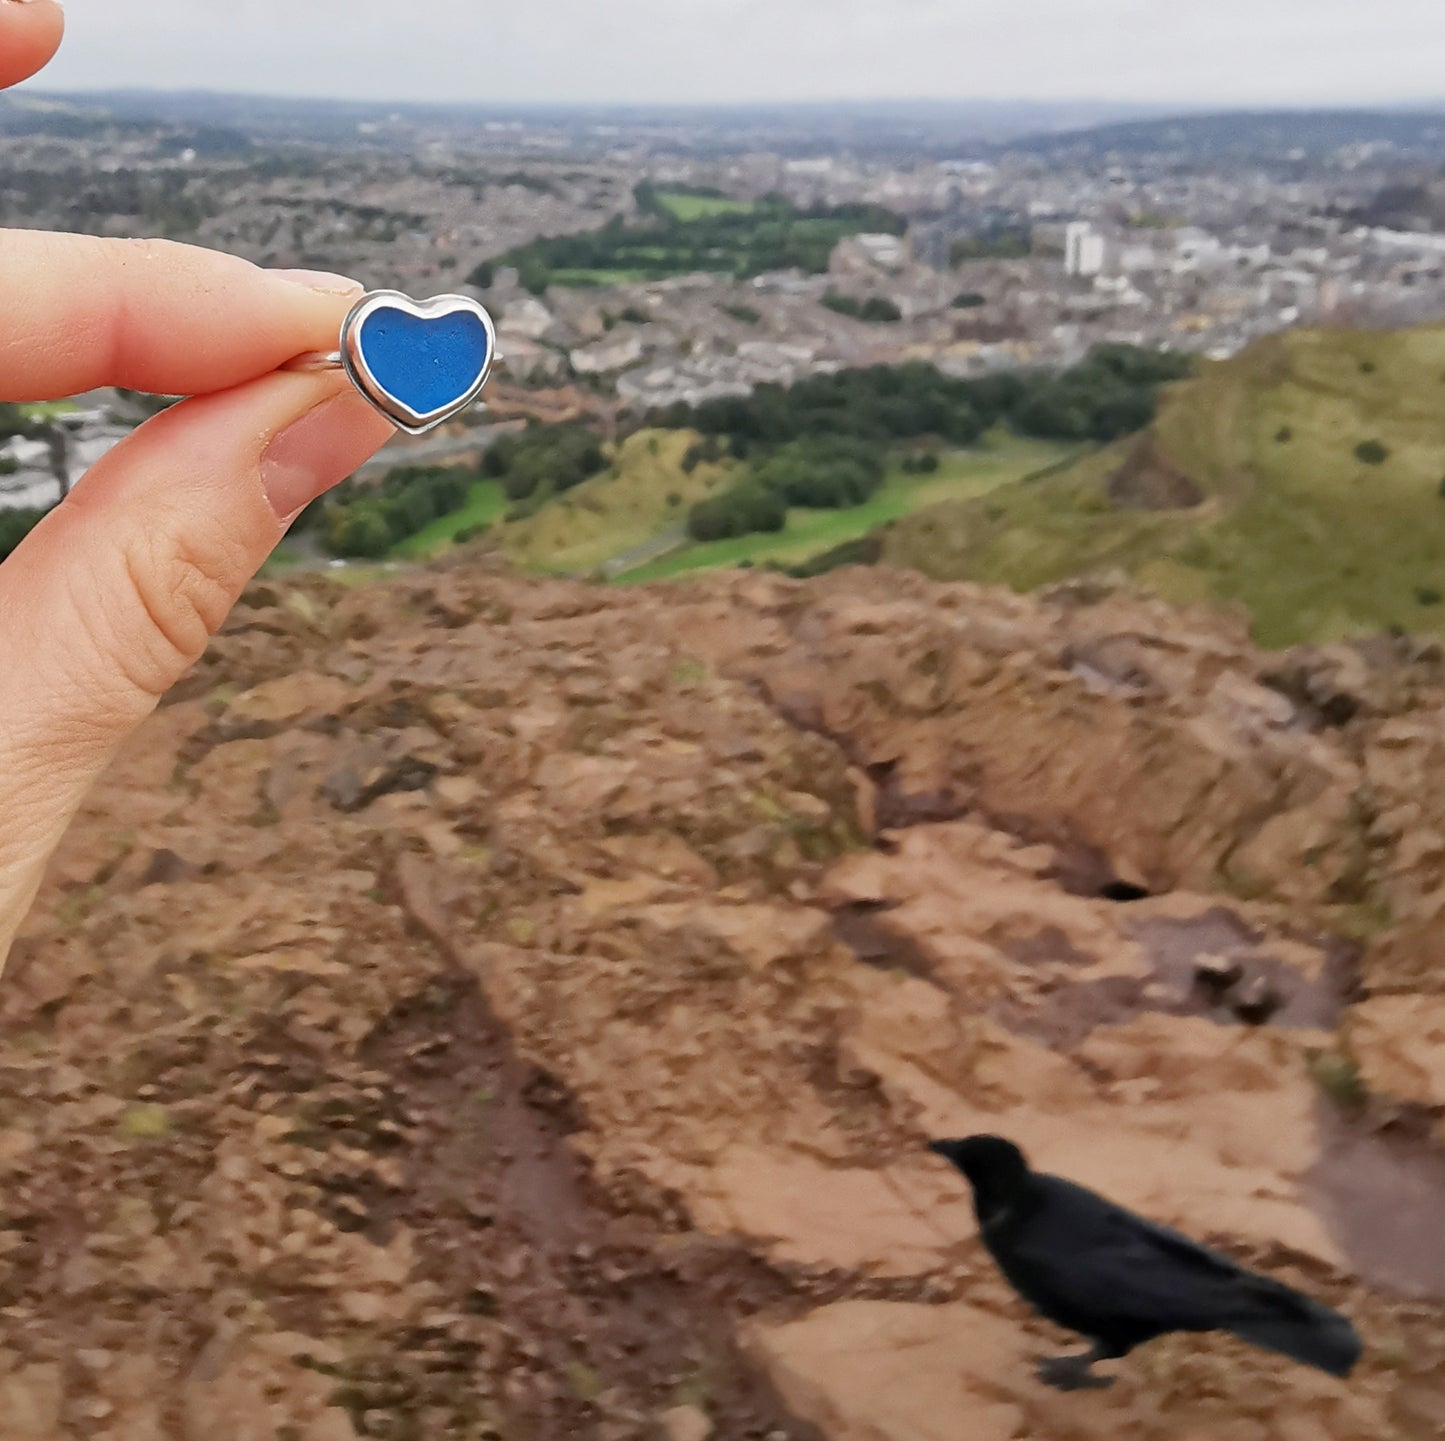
point(123, 258)
point(182, 594)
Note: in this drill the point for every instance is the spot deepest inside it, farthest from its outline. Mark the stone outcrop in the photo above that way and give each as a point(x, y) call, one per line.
point(475, 1005)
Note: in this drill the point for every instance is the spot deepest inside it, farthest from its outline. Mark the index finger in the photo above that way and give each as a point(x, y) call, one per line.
point(77, 312)
point(30, 32)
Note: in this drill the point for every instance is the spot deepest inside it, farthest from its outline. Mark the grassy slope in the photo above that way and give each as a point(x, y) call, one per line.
point(627, 506)
point(624, 507)
point(485, 502)
point(810, 532)
point(1315, 543)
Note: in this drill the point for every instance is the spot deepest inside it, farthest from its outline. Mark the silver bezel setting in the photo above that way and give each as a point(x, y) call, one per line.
point(354, 363)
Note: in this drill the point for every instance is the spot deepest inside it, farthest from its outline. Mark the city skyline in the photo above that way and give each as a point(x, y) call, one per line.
point(1234, 54)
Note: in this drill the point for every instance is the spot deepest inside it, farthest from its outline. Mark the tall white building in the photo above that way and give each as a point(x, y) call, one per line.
point(1083, 249)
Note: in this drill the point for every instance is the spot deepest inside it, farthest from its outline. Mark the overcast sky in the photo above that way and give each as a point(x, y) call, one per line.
point(1186, 51)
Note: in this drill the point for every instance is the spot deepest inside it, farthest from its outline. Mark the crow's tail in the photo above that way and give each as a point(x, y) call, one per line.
point(1282, 1320)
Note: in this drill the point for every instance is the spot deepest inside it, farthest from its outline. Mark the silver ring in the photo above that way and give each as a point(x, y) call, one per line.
point(316, 360)
point(419, 347)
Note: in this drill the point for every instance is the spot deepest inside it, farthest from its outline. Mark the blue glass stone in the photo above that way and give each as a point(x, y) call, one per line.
point(427, 364)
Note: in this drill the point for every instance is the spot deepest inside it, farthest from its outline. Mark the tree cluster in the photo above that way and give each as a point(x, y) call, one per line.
point(1113, 392)
point(773, 235)
point(745, 509)
point(13, 420)
point(820, 443)
point(875, 309)
point(823, 472)
point(881, 403)
point(819, 472)
point(1005, 245)
point(710, 450)
point(544, 460)
point(15, 525)
point(364, 522)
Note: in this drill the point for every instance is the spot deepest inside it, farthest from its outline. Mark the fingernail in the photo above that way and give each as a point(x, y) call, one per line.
point(318, 451)
point(320, 280)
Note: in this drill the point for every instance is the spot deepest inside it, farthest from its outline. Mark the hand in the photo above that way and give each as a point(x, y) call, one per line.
point(114, 595)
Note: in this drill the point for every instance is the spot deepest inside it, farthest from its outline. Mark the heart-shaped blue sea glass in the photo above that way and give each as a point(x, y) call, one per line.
point(419, 363)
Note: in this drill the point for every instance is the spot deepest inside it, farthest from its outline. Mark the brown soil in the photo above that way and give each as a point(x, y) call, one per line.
point(485, 1008)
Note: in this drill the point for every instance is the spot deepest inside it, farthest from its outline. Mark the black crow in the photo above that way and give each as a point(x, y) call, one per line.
point(1119, 1280)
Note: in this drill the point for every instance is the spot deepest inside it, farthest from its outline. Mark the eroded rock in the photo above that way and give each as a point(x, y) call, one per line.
point(553, 984)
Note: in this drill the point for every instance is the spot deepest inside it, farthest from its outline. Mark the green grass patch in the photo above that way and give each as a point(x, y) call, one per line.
point(47, 409)
point(585, 279)
point(683, 206)
point(683, 233)
point(1001, 460)
point(485, 504)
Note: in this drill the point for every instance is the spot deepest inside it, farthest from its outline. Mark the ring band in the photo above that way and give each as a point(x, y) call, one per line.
point(316, 360)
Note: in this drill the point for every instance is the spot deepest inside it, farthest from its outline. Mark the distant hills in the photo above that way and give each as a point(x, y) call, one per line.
point(1249, 134)
point(1303, 479)
point(901, 129)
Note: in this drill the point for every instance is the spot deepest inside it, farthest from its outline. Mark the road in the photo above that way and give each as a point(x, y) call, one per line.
point(649, 550)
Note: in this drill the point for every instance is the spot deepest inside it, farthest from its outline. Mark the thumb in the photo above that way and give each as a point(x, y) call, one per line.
point(113, 596)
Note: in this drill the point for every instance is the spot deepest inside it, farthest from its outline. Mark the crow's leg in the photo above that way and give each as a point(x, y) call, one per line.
point(1072, 1373)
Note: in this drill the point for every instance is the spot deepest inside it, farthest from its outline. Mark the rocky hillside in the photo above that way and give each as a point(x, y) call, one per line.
point(1303, 480)
point(479, 1008)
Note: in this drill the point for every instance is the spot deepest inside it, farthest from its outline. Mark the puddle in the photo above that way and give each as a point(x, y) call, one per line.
point(1068, 1016)
point(1174, 947)
point(1379, 1188)
point(1282, 994)
point(1381, 1193)
point(1255, 988)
